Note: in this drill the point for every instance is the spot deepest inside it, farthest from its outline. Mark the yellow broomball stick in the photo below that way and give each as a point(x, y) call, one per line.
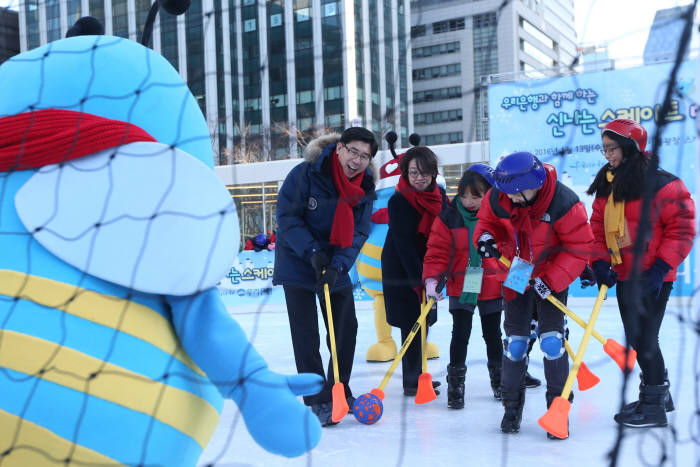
point(625, 358)
point(340, 403)
point(556, 420)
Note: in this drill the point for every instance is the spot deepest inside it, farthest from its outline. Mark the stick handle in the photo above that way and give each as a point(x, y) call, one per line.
point(563, 308)
point(331, 333)
point(414, 330)
point(584, 342)
point(423, 332)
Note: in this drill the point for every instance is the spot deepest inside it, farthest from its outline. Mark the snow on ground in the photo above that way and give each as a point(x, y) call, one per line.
point(431, 434)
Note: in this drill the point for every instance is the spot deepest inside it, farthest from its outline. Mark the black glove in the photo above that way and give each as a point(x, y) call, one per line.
point(486, 246)
point(587, 277)
point(653, 278)
point(319, 261)
point(541, 287)
point(329, 277)
point(604, 273)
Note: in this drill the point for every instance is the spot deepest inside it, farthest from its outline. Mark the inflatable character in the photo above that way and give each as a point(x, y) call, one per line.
point(369, 261)
point(114, 229)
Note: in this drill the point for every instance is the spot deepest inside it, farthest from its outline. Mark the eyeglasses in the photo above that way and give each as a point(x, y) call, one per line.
point(356, 154)
point(418, 174)
point(608, 151)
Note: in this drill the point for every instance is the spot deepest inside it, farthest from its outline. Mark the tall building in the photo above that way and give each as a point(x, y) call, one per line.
point(9, 34)
point(665, 34)
point(457, 44)
point(266, 72)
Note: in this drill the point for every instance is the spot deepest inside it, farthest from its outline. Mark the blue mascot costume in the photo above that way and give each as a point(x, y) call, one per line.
point(114, 230)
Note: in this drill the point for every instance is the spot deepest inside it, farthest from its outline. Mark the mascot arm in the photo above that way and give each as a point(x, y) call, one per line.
point(268, 401)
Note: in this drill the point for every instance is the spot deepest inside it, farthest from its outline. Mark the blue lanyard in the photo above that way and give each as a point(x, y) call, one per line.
point(517, 245)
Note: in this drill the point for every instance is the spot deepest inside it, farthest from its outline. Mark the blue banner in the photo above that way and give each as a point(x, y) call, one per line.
point(559, 120)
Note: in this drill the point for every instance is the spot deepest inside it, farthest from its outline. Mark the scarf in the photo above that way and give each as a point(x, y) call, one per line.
point(427, 203)
point(614, 223)
point(49, 136)
point(469, 218)
point(350, 193)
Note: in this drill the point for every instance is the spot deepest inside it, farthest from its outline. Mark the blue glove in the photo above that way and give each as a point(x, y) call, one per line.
point(541, 287)
point(653, 278)
point(587, 277)
point(604, 273)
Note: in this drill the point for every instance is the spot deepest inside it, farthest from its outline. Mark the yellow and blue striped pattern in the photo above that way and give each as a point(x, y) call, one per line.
point(96, 378)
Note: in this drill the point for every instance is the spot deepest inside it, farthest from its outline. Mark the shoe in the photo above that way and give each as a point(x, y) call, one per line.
point(530, 381)
point(455, 386)
point(324, 412)
point(410, 392)
point(513, 403)
point(495, 377)
point(550, 397)
point(668, 403)
point(351, 403)
point(651, 410)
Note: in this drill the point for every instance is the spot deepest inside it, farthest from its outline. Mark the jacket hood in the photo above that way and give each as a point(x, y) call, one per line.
point(316, 146)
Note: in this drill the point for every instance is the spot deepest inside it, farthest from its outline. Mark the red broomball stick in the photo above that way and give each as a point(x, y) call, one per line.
point(340, 403)
point(625, 358)
point(425, 392)
point(556, 420)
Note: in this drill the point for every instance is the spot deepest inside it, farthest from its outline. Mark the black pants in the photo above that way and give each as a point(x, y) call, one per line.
point(462, 329)
point(642, 319)
point(303, 323)
point(518, 316)
point(412, 361)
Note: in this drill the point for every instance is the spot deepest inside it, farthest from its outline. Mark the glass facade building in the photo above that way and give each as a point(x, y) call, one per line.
point(267, 74)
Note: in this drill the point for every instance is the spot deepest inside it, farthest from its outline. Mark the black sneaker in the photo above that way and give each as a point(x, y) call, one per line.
point(324, 412)
point(530, 381)
point(410, 392)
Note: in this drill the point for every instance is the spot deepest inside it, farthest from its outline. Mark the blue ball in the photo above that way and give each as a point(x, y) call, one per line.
point(368, 409)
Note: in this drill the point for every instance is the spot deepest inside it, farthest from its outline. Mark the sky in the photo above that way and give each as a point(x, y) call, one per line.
point(623, 24)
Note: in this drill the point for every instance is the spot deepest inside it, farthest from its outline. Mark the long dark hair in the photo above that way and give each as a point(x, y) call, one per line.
point(630, 175)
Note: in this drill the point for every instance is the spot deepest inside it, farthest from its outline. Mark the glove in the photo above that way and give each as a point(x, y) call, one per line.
point(486, 246)
point(587, 277)
point(604, 273)
point(540, 287)
point(329, 277)
point(430, 285)
point(653, 278)
point(319, 261)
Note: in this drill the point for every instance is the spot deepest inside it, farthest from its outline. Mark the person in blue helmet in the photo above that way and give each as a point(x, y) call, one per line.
point(540, 225)
point(323, 214)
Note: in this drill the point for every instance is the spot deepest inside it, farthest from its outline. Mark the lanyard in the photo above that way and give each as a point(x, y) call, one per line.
point(517, 245)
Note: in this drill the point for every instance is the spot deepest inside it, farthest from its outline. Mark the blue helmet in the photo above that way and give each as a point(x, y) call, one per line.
point(484, 170)
point(260, 240)
point(519, 171)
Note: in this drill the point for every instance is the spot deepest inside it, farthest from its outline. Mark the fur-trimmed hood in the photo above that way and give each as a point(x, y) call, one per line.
point(313, 150)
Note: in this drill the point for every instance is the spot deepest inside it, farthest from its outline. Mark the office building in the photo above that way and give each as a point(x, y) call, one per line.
point(457, 44)
point(9, 33)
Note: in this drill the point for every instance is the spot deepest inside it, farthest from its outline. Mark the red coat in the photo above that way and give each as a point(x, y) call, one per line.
point(672, 227)
point(448, 246)
point(561, 241)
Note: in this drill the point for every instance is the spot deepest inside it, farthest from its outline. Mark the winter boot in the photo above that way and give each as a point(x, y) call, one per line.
point(651, 410)
point(632, 406)
point(455, 386)
point(513, 403)
point(531, 381)
point(550, 398)
point(494, 368)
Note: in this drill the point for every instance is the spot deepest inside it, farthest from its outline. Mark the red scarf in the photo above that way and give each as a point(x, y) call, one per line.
point(523, 217)
point(350, 193)
point(427, 203)
point(41, 137)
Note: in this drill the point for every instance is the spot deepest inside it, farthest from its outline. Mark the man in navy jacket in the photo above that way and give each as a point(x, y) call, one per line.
point(323, 215)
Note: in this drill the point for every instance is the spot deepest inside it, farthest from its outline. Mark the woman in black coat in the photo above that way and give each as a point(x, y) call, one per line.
point(412, 209)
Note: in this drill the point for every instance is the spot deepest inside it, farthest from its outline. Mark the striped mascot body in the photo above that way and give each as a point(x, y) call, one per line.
point(115, 348)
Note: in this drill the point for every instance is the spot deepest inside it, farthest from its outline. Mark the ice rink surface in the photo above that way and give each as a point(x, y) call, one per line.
point(433, 435)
